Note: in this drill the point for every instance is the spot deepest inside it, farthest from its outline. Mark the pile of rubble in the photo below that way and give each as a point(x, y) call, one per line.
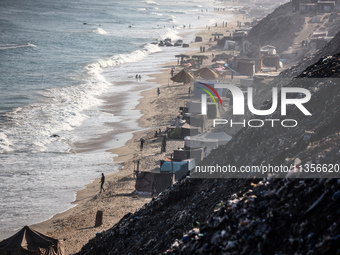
point(326, 67)
point(272, 217)
point(331, 48)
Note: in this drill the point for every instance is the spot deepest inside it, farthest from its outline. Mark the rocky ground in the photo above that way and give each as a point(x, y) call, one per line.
point(330, 49)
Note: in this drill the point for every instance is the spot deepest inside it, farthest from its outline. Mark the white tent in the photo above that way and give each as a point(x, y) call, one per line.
point(210, 140)
point(229, 45)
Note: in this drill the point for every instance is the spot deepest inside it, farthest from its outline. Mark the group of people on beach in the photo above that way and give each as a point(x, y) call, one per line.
point(138, 77)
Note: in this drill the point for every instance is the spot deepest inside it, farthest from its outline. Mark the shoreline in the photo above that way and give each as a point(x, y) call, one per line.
point(74, 226)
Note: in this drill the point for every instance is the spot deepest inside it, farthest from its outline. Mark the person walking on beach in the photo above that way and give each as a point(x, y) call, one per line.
point(158, 92)
point(142, 143)
point(102, 181)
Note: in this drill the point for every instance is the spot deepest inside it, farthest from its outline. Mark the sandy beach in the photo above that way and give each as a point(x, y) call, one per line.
point(76, 226)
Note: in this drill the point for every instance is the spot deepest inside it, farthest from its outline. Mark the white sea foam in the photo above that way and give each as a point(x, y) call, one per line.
point(156, 13)
point(179, 12)
point(14, 46)
point(36, 127)
point(100, 31)
point(123, 58)
point(5, 144)
point(150, 2)
point(169, 33)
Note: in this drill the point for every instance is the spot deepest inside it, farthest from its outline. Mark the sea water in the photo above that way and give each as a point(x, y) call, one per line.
point(62, 64)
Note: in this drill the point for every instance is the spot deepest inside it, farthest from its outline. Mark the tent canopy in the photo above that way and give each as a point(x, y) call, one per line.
point(183, 76)
point(30, 242)
point(206, 73)
point(207, 139)
point(182, 56)
point(222, 56)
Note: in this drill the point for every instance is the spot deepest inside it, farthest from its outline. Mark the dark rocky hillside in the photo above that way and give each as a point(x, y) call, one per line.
point(330, 49)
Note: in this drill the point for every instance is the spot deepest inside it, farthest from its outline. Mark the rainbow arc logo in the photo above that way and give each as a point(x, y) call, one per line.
point(204, 97)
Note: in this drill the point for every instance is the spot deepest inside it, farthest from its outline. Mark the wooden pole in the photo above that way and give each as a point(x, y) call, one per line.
point(99, 219)
point(172, 168)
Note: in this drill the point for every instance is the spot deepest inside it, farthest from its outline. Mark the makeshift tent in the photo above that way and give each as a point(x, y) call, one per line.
point(179, 128)
point(187, 130)
point(30, 242)
point(271, 61)
point(196, 108)
point(180, 155)
point(217, 34)
point(178, 122)
point(179, 168)
point(268, 49)
point(181, 132)
point(183, 154)
point(198, 39)
point(183, 171)
point(229, 45)
point(206, 139)
point(206, 73)
point(168, 166)
point(195, 154)
point(151, 182)
point(247, 82)
point(174, 132)
point(183, 76)
point(181, 56)
point(196, 120)
point(200, 58)
point(222, 56)
point(246, 67)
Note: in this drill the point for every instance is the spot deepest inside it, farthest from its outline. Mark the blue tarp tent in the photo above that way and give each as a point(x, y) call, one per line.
point(182, 165)
point(186, 164)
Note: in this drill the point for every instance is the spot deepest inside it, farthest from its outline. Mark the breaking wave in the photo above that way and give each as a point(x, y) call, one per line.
point(5, 144)
point(14, 46)
point(150, 2)
point(123, 58)
point(100, 31)
point(155, 13)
